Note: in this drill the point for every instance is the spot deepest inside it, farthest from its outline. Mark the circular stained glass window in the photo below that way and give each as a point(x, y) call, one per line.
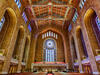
point(50, 43)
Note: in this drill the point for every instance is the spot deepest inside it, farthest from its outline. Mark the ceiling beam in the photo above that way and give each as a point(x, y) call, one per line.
point(49, 19)
point(54, 6)
point(35, 16)
point(66, 13)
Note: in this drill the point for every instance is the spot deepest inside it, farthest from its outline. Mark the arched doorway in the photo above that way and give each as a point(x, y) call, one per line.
point(92, 25)
point(49, 50)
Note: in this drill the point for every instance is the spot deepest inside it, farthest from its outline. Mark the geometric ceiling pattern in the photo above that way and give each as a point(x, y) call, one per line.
point(46, 12)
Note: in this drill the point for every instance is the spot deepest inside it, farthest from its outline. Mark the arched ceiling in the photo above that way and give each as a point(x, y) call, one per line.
point(47, 12)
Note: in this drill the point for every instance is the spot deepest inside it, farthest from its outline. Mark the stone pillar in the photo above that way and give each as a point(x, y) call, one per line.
point(71, 51)
point(91, 53)
point(32, 50)
point(27, 52)
point(78, 54)
point(67, 51)
point(21, 50)
point(9, 50)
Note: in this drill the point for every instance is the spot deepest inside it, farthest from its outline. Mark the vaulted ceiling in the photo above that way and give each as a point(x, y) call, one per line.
point(47, 12)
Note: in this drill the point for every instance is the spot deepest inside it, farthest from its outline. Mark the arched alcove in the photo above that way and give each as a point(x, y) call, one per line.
point(7, 30)
point(81, 43)
point(92, 29)
point(26, 49)
point(19, 41)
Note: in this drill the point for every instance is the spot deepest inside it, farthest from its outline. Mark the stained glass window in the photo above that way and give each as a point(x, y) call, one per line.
point(18, 3)
point(24, 17)
point(50, 51)
point(70, 27)
point(42, 36)
point(98, 22)
point(2, 22)
point(29, 27)
point(75, 17)
point(51, 34)
point(47, 34)
point(82, 3)
point(56, 36)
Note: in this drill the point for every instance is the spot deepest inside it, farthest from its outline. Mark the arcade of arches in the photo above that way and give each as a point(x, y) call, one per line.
point(50, 37)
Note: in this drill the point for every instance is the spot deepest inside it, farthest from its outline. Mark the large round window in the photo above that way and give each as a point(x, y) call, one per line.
point(50, 43)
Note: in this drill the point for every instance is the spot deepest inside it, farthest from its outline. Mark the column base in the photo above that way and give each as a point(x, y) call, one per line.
point(96, 73)
point(81, 72)
point(3, 72)
point(18, 71)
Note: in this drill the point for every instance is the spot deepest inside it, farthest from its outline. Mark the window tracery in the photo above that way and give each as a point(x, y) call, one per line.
point(50, 51)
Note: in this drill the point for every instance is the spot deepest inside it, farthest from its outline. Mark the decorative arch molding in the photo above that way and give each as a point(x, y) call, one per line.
point(26, 49)
point(60, 32)
point(90, 28)
point(81, 42)
point(19, 43)
point(8, 28)
point(43, 30)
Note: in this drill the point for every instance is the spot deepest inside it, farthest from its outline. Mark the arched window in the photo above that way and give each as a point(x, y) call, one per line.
point(29, 27)
point(2, 22)
point(24, 17)
point(49, 50)
point(75, 17)
point(82, 3)
point(18, 3)
point(47, 34)
point(42, 36)
point(70, 28)
point(56, 36)
point(98, 22)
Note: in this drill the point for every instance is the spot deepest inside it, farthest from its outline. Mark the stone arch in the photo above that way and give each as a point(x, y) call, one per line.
point(7, 30)
point(91, 29)
point(60, 34)
point(19, 42)
point(81, 43)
